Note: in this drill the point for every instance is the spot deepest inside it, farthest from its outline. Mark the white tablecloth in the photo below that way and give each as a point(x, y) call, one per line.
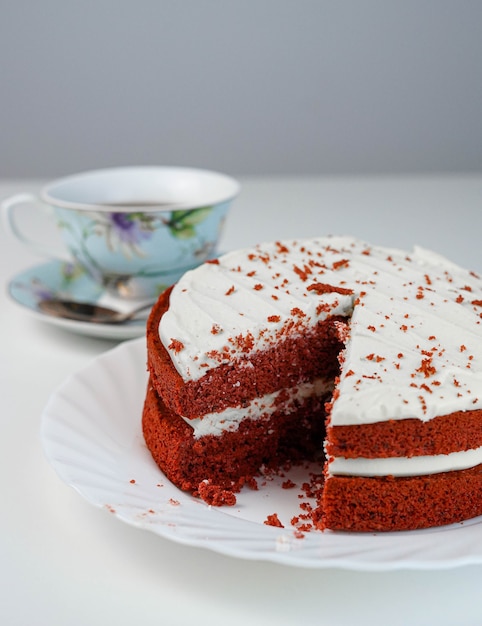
point(64, 562)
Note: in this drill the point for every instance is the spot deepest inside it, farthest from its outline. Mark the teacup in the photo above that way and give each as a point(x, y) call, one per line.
point(134, 230)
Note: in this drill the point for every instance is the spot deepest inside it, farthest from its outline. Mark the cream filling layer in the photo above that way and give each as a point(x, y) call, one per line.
point(406, 466)
point(229, 419)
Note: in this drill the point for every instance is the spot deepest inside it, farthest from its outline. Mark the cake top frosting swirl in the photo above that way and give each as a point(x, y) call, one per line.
point(414, 344)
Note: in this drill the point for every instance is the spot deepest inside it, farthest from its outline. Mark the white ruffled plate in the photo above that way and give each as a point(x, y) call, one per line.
point(91, 434)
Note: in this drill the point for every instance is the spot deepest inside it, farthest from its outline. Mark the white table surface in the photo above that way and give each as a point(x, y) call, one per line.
point(64, 562)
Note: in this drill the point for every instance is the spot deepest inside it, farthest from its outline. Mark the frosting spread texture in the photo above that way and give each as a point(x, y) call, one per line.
point(413, 345)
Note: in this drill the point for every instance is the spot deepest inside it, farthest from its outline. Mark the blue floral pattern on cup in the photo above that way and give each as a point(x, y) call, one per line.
point(125, 231)
point(179, 240)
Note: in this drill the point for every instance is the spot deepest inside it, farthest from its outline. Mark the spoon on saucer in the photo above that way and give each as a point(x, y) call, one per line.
point(88, 312)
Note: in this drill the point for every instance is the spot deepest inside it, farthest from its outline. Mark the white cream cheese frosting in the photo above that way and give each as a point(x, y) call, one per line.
point(414, 348)
point(230, 419)
point(406, 466)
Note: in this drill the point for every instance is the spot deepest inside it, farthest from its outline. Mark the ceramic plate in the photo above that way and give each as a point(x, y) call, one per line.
point(91, 434)
point(66, 280)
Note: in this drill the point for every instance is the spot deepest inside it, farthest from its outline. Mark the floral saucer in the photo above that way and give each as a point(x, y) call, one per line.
point(57, 279)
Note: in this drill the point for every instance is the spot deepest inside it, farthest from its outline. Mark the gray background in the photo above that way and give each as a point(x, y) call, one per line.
point(245, 86)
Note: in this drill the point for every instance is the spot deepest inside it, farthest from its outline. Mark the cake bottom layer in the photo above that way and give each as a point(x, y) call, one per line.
point(361, 504)
point(345, 503)
point(233, 457)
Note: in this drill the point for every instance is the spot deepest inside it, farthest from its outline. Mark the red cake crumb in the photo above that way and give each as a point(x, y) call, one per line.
point(273, 520)
point(249, 481)
point(322, 288)
point(216, 495)
point(288, 484)
point(302, 273)
point(343, 263)
point(176, 345)
point(281, 248)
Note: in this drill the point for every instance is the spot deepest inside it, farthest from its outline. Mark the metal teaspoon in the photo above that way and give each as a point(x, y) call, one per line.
point(87, 312)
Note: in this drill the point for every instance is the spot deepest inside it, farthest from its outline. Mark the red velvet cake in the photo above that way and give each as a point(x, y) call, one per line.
point(369, 355)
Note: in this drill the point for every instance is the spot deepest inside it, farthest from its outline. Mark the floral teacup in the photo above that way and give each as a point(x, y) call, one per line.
point(135, 230)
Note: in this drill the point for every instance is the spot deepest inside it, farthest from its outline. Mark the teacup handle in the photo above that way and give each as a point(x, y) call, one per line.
point(8, 208)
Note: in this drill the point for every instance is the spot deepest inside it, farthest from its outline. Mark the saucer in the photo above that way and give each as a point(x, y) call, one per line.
point(57, 279)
